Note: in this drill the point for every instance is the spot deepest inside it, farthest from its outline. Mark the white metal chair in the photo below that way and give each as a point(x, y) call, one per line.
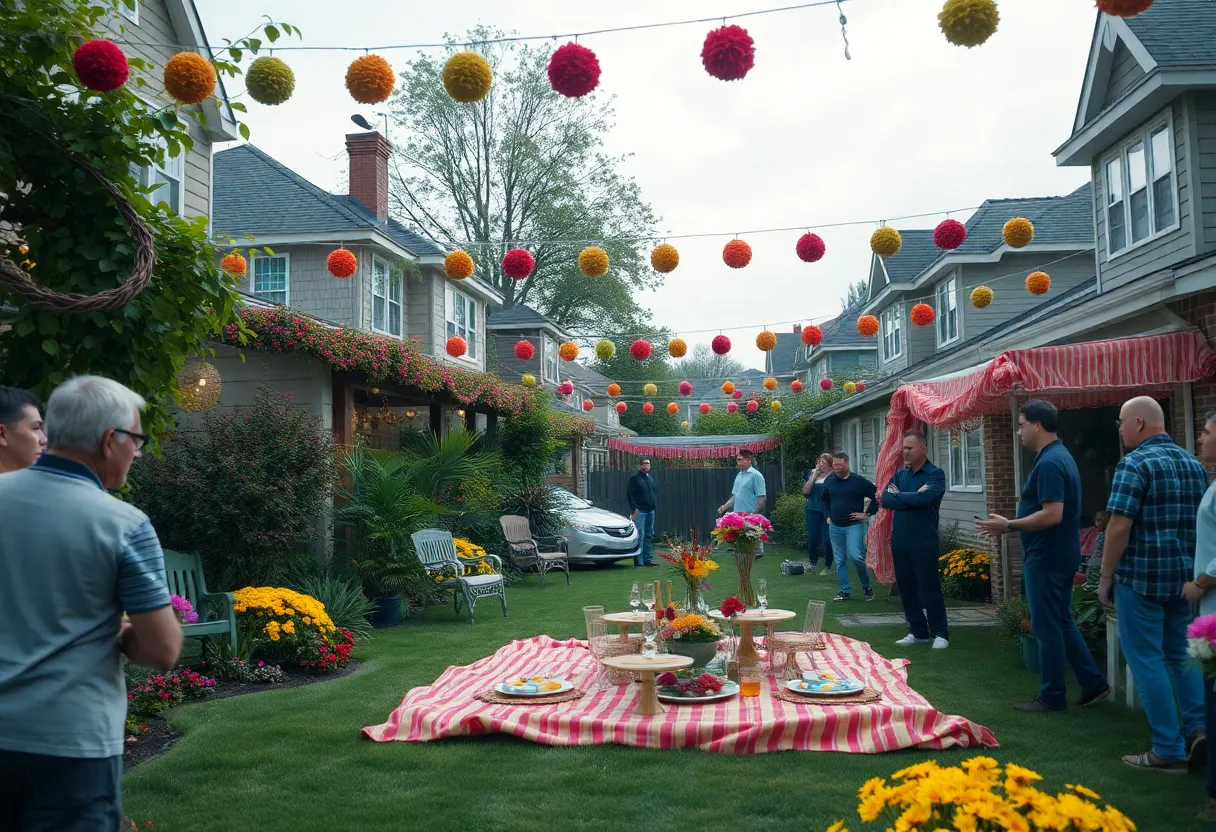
point(791, 643)
point(437, 551)
point(525, 553)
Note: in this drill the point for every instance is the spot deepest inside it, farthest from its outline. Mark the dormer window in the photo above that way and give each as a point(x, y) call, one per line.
point(1139, 188)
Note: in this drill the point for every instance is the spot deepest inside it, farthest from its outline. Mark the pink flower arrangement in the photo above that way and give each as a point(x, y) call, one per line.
point(1201, 643)
point(184, 609)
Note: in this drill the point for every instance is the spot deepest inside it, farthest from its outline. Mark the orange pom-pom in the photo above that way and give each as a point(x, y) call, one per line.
point(923, 314)
point(728, 387)
point(370, 79)
point(664, 258)
point(341, 263)
point(867, 325)
point(189, 78)
point(677, 348)
point(770, 384)
point(1038, 283)
point(457, 346)
point(765, 341)
point(673, 408)
point(568, 351)
point(458, 265)
point(234, 264)
point(614, 389)
point(736, 254)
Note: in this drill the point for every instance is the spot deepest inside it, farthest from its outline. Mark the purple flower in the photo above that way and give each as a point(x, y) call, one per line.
point(184, 609)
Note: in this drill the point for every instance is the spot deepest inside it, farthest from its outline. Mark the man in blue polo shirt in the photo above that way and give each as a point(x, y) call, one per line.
point(844, 495)
point(1049, 521)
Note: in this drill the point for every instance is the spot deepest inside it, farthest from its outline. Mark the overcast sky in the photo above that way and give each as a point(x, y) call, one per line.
point(910, 125)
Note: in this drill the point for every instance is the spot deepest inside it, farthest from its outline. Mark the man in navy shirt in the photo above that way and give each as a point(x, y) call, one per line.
point(643, 498)
point(844, 495)
point(915, 495)
point(1049, 520)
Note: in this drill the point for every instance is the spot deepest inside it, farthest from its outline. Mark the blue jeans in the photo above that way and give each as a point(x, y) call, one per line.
point(816, 536)
point(66, 794)
point(1153, 638)
point(1209, 701)
point(645, 523)
point(848, 544)
point(1060, 642)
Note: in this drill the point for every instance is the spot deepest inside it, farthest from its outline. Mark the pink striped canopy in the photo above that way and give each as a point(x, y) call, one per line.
point(1070, 376)
point(713, 447)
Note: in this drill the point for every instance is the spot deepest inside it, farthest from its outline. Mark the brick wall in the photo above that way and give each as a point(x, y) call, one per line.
point(1001, 490)
point(368, 153)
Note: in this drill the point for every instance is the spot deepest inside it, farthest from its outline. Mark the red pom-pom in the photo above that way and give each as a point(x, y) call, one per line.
point(796, 386)
point(753, 406)
point(640, 349)
point(517, 264)
point(1124, 8)
point(738, 394)
point(565, 388)
point(685, 388)
point(457, 346)
point(720, 345)
point(922, 314)
point(588, 405)
point(524, 350)
point(861, 387)
point(825, 384)
point(100, 65)
point(736, 254)
point(810, 248)
point(704, 409)
point(341, 263)
point(949, 234)
point(732, 407)
point(728, 53)
point(648, 408)
point(574, 70)
point(621, 407)
point(812, 335)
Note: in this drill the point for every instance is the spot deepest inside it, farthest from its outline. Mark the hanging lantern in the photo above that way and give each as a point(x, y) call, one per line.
point(517, 264)
point(198, 386)
point(736, 254)
point(640, 349)
point(341, 262)
point(850, 388)
point(886, 242)
point(672, 408)
point(1018, 232)
point(1124, 8)
point(922, 314)
point(270, 80)
point(981, 296)
point(605, 349)
point(621, 407)
point(968, 22)
point(528, 380)
point(770, 384)
point(812, 335)
point(650, 389)
point(867, 325)
point(753, 406)
point(234, 264)
point(766, 341)
point(704, 408)
point(574, 71)
point(664, 258)
point(774, 404)
point(100, 65)
point(720, 345)
point(795, 386)
point(1038, 283)
point(370, 79)
point(189, 78)
point(728, 53)
point(588, 405)
point(732, 407)
point(458, 265)
point(614, 389)
point(685, 388)
point(810, 248)
point(677, 348)
point(825, 384)
point(593, 261)
point(467, 77)
point(457, 346)
point(647, 408)
point(949, 235)
point(524, 350)
point(568, 351)
point(566, 388)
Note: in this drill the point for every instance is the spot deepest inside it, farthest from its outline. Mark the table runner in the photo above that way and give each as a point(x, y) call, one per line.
point(903, 719)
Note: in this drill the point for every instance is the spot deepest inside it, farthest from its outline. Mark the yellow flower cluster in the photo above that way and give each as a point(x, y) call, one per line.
point(964, 563)
point(470, 552)
point(281, 611)
point(699, 568)
point(979, 795)
point(694, 624)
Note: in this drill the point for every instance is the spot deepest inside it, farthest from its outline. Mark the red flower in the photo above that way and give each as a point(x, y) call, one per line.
point(763, 536)
point(731, 605)
point(671, 612)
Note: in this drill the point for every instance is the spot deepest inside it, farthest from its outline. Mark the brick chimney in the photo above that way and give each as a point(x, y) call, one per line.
point(369, 154)
point(797, 329)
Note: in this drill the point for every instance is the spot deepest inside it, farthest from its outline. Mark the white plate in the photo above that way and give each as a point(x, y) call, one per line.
point(855, 687)
point(509, 691)
point(729, 689)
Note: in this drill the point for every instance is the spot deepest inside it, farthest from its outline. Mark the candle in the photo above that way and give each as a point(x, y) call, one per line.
point(658, 594)
point(671, 601)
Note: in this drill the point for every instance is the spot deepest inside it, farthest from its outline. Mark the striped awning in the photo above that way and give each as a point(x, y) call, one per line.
point(1070, 376)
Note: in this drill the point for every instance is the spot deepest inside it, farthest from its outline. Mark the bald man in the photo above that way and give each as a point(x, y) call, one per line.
point(1148, 555)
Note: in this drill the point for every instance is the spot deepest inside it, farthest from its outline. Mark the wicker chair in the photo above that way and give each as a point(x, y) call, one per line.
point(437, 552)
point(791, 643)
point(604, 645)
point(525, 553)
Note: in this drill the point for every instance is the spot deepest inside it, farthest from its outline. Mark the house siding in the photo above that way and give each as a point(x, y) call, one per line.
point(1205, 124)
point(437, 331)
point(311, 289)
point(1010, 298)
point(846, 361)
point(1160, 252)
point(511, 368)
point(1125, 73)
point(960, 507)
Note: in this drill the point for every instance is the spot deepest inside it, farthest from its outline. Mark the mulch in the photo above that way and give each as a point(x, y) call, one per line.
point(161, 736)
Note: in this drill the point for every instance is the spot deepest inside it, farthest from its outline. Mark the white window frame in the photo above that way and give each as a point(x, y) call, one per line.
point(1143, 138)
point(253, 276)
point(395, 276)
point(852, 444)
point(946, 301)
point(548, 349)
point(967, 440)
point(174, 169)
point(470, 324)
point(131, 12)
point(877, 425)
point(891, 328)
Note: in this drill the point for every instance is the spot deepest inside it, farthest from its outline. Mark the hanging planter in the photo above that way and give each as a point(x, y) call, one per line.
point(621, 407)
point(566, 388)
point(825, 384)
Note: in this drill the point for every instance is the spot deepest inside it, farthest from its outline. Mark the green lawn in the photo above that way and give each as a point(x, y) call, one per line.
point(294, 759)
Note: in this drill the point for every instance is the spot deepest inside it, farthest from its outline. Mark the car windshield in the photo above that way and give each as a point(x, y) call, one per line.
point(567, 500)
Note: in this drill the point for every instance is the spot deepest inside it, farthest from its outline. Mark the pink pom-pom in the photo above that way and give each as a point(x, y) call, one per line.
point(861, 387)
point(524, 350)
point(648, 408)
point(720, 345)
point(728, 53)
point(949, 234)
point(100, 65)
point(753, 406)
point(810, 248)
point(732, 407)
point(685, 388)
point(517, 264)
point(825, 384)
point(565, 388)
point(738, 394)
point(640, 349)
point(574, 70)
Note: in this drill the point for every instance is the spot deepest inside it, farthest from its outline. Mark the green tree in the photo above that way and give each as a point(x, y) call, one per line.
point(633, 376)
point(703, 363)
point(524, 164)
point(855, 294)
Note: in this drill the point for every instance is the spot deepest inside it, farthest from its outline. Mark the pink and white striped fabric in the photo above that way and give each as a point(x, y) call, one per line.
point(1071, 376)
point(903, 719)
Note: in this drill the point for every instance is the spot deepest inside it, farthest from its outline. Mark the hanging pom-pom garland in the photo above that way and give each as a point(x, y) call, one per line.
point(621, 407)
point(672, 408)
point(720, 345)
point(341, 263)
point(458, 265)
point(810, 248)
point(189, 78)
point(467, 77)
point(524, 350)
point(593, 261)
point(825, 384)
point(753, 406)
point(614, 389)
point(867, 325)
point(568, 351)
point(685, 388)
point(736, 254)
point(604, 349)
point(949, 235)
point(1038, 283)
point(738, 394)
point(574, 71)
point(684, 424)
point(528, 380)
point(640, 349)
point(664, 258)
point(775, 405)
point(795, 386)
point(766, 341)
point(234, 264)
point(981, 296)
point(704, 408)
point(517, 264)
point(850, 388)
point(886, 241)
point(1018, 232)
point(588, 405)
point(812, 335)
point(101, 65)
point(860, 386)
point(370, 79)
point(647, 408)
point(770, 383)
point(566, 388)
point(969, 22)
point(677, 348)
point(457, 346)
point(922, 314)
point(732, 407)
point(728, 387)
point(650, 389)
point(1124, 8)
point(728, 53)
point(270, 80)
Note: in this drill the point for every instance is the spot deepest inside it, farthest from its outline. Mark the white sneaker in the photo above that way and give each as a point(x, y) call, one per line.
point(823, 571)
point(909, 640)
point(940, 643)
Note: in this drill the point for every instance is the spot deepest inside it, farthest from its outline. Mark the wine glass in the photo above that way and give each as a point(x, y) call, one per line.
point(648, 597)
point(635, 597)
point(762, 593)
point(650, 634)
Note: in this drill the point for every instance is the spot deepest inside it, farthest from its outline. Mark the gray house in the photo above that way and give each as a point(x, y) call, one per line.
point(842, 354)
point(780, 362)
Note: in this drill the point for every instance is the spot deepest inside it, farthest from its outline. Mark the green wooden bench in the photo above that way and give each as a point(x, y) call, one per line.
point(215, 614)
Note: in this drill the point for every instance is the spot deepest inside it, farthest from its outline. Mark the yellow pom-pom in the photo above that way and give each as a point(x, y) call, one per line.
point(765, 341)
point(886, 242)
point(981, 296)
point(234, 263)
point(1018, 233)
point(568, 351)
point(458, 265)
point(370, 79)
point(770, 384)
point(650, 389)
point(593, 261)
point(969, 22)
point(467, 77)
point(605, 349)
point(270, 80)
point(850, 388)
point(528, 380)
point(775, 405)
point(189, 78)
point(664, 258)
point(684, 425)
point(1038, 283)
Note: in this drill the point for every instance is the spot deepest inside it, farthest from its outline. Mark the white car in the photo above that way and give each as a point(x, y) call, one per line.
point(594, 535)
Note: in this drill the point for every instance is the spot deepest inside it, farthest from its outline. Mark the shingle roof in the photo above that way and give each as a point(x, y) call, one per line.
point(1057, 219)
point(916, 253)
point(782, 358)
point(1178, 32)
point(255, 194)
point(520, 316)
point(841, 331)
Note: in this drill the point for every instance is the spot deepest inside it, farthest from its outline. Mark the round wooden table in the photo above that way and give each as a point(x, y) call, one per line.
point(746, 653)
point(625, 619)
point(646, 667)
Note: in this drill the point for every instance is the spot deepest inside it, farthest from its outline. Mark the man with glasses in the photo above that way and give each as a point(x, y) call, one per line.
point(73, 559)
point(1148, 556)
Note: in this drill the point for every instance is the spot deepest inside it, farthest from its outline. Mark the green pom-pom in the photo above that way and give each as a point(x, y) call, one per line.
point(270, 81)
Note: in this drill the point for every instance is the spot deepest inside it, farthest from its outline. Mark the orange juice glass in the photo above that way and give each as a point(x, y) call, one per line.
point(749, 681)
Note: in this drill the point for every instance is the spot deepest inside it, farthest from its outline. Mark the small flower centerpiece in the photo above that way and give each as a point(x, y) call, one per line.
point(692, 635)
point(692, 563)
point(688, 684)
point(184, 609)
point(743, 533)
point(1201, 643)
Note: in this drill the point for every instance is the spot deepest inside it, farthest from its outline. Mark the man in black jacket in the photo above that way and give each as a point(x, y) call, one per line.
point(844, 495)
point(643, 498)
point(915, 495)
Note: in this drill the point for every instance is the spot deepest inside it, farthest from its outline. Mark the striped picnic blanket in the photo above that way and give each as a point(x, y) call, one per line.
point(903, 719)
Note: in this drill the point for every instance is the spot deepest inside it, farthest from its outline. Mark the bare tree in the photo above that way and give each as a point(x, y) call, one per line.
point(704, 363)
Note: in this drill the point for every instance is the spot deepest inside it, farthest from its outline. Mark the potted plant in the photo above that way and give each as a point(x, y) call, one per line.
point(691, 635)
point(1013, 616)
point(385, 579)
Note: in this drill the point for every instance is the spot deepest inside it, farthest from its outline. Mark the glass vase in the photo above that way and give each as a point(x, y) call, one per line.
point(694, 600)
point(743, 562)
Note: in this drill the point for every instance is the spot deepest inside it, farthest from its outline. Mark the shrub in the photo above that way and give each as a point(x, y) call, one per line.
point(1013, 618)
point(1090, 616)
point(235, 669)
point(950, 538)
point(789, 520)
point(328, 657)
point(343, 600)
point(280, 624)
point(247, 493)
point(965, 575)
point(527, 443)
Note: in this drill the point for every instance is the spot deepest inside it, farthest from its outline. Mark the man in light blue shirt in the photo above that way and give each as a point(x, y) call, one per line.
point(748, 492)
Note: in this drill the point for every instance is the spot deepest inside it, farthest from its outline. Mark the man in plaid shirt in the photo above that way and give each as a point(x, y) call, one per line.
point(1148, 556)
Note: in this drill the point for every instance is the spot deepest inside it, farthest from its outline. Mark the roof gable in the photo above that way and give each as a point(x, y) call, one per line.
point(916, 253)
point(1177, 32)
point(781, 358)
point(1057, 220)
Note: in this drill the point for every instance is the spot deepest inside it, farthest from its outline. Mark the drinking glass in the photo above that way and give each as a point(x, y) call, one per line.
point(650, 634)
point(762, 593)
point(749, 680)
point(635, 597)
point(648, 596)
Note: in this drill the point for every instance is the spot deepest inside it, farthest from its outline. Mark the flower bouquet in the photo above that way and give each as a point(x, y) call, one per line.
point(688, 685)
point(1201, 643)
point(743, 533)
point(692, 563)
point(694, 636)
point(184, 609)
